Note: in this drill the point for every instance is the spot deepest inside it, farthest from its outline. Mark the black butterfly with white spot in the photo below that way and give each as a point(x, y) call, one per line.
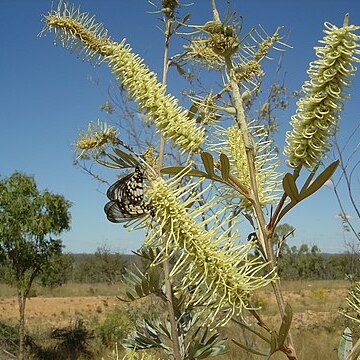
point(127, 198)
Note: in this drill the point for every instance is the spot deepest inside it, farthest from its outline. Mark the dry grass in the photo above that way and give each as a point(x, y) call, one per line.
point(68, 290)
point(316, 325)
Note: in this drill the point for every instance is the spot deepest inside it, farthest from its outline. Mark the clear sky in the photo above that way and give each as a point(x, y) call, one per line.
point(47, 96)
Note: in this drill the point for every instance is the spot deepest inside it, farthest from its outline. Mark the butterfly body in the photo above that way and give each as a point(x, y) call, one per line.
point(126, 198)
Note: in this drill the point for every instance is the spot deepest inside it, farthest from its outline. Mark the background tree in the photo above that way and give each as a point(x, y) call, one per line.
point(103, 266)
point(29, 220)
point(57, 271)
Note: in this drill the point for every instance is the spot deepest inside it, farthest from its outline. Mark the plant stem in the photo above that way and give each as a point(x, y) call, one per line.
point(264, 235)
point(166, 265)
point(249, 148)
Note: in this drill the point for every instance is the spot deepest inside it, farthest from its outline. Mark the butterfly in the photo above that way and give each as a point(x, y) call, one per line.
point(126, 198)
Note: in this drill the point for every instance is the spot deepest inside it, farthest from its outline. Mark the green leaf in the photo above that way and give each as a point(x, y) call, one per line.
point(345, 344)
point(130, 296)
point(126, 157)
point(174, 170)
point(230, 110)
point(274, 343)
point(117, 160)
point(183, 21)
point(208, 162)
point(180, 70)
point(290, 187)
point(250, 350)
point(138, 290)
point(320, 180)
point(108, 164)
point(285, 325)
point(225, 167)
point(145, 286)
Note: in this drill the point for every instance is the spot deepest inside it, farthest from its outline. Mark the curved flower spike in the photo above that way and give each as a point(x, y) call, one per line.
point(220, 274)
point(317, 114)
point(78, 31)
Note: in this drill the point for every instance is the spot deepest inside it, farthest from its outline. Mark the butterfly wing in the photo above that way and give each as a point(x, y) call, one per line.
point(127, 196)
point(118, 212)
point(128, 188)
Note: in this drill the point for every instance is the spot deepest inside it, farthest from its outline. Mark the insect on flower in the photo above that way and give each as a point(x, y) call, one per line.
point(127, 198)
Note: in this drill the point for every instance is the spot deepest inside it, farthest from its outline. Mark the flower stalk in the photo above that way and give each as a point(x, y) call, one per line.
point(166, 265)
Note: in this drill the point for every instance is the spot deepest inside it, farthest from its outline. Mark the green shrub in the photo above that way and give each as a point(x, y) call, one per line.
point(8, 337)
point(319, 294)
point(115, 327)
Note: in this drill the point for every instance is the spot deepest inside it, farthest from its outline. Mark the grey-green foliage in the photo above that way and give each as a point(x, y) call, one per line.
point(154, 330)
point(196, 342)
point(345, 344)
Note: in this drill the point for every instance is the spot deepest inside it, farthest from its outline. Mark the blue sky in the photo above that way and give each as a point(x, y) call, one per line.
point(47, 96)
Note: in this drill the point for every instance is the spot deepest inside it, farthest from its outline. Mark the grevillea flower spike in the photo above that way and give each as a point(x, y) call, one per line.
point(78, 31)
point(221, 274)
point(317, 114)
point(230, 142)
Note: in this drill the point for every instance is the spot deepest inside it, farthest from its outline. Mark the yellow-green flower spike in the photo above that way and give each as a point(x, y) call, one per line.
point(78, 31)
point(220, 273)
point(199, 51)
point(142, 85)
point(266, 163)
point(98, 136)
point(317, 114)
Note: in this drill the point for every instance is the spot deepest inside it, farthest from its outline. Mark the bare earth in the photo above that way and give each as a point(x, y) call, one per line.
point(60, 311)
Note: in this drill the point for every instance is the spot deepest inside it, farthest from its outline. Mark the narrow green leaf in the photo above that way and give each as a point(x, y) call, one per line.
point(345, 344)
point(151, 253)
point(130, 296)
point(274, 343)
point(117, 160)
point(108, 164)
point(355, 351)
point(138, 290)
point(208, 162)
point(250, 350)
point(174, 170)
point(290, 187)
point(320, 180)
point(230, 110)
point(225, 167)
point(154, 282)
point(285, 325)
point(179, 69)
point(145, 286)
point(126, 157)
point(261, 336)
point(183, 21)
